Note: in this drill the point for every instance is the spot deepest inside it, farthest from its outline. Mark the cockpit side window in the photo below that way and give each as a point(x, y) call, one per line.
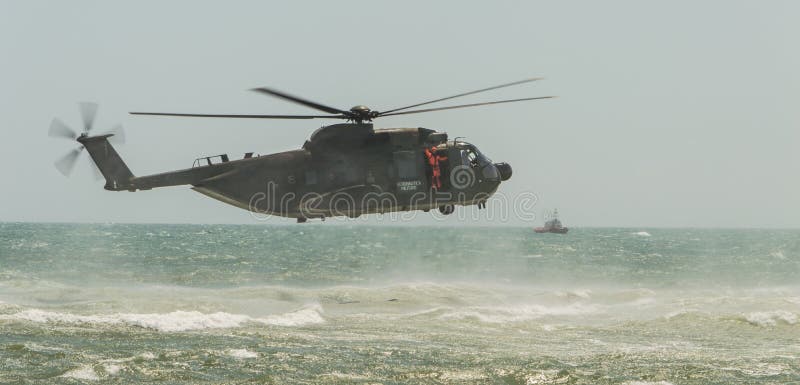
point(469, 157)
point(472, 156)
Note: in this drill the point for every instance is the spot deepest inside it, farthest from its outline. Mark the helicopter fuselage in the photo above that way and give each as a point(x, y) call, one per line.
point(342, 170)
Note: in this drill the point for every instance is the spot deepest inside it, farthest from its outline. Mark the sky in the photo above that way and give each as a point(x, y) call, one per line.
point(669, 114)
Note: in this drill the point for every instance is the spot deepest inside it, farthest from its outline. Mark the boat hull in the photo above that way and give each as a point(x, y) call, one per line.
point(562, 230)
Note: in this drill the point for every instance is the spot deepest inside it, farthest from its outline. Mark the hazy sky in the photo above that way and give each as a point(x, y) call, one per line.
point(672, 113)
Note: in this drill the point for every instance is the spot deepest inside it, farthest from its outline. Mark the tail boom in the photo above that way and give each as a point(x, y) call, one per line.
point(120, 178)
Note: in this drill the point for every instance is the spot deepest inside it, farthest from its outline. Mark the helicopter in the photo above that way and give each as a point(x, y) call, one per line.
point(345, 169)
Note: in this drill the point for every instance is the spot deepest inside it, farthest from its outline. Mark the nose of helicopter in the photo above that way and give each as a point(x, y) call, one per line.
point(504, 169)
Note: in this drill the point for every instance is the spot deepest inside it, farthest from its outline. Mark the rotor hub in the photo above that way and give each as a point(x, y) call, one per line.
point(362, 113)
point(360, 109)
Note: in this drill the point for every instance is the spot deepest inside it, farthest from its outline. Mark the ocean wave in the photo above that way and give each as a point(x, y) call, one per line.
point(241, 353)
point(778, 254)
point(109, 367)
point(306, 316)
point(28, 244)
point(175, 321)
point(520, 313)
point(576, 294)
point(771, 318)
point(761, 369)
point(86, 373)
point(112, 369)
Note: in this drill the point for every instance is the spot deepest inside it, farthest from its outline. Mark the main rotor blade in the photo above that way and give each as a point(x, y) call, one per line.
point(466, 105)
point(119, 135)
point(60, 130)
point(297, 100)
point(88, 113)
point(66, 163)
point(243, 116)
point(464, 94)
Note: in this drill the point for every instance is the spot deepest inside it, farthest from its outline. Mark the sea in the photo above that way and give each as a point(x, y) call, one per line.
point(339, 303)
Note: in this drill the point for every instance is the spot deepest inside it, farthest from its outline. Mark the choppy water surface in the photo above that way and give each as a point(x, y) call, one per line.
point(378, 304)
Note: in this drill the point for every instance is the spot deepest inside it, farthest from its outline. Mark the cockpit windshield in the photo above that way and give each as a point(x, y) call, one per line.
point(471, 156)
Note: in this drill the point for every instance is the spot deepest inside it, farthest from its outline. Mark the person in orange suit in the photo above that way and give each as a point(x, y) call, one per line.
point(430, 155)
point(434, 160)
point(440, 159)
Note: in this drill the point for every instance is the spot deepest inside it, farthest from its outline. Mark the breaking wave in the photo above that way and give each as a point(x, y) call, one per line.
point(241, 353)
point(771, 318)
point(520, 313)
point(175, 321)
point(85, 373)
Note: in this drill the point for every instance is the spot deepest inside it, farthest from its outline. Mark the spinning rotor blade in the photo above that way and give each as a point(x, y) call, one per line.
point(297, 100)
point(88, 113)
point(66, 163)
point(119, 135)
point(465, 106)
point(357, 114)
point(464, 94)
point(60, 130)
point(244, 116)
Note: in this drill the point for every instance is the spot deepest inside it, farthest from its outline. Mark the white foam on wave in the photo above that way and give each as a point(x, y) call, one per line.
point(307, 316)
point(462, 376)
point(771, 318)
point(349, 377)
point(241, 353)
point(175, 321)
point(762, 369)
point(678, 313)
point(168, 322)
point(86, 373)
point(642, 234)
point(112, 369)
point(520, 313)
point(184, 320)
point(544, 377)
point(27, 244)
point(577, 293)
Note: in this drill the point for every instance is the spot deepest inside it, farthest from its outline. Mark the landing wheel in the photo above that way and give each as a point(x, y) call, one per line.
point(447, 209)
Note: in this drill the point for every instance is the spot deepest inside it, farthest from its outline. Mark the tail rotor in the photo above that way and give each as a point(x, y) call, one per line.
point(66, 163)
point(58, 129)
